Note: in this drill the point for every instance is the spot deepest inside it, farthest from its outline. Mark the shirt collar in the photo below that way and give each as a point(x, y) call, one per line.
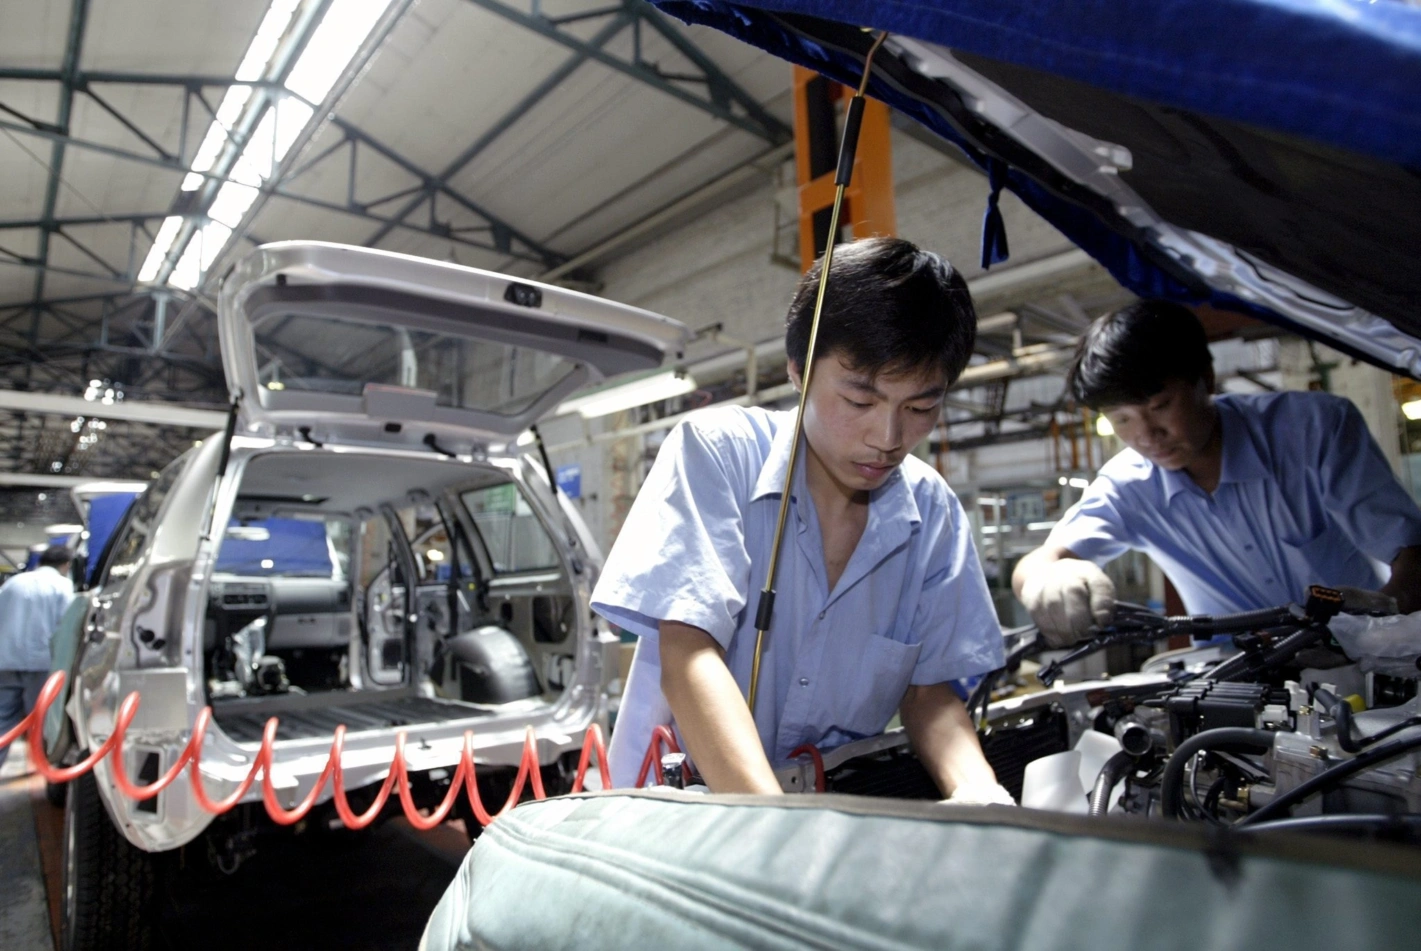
point(1241, 461)
point(772, 473)
point(888, 500)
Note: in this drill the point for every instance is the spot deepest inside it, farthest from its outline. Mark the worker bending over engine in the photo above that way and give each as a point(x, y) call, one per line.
point(1243, 500)
point(881, 599)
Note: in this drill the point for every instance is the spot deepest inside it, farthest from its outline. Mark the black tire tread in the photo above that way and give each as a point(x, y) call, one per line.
point(114, 883)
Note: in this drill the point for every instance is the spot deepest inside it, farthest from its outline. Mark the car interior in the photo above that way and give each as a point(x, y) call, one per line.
point(378, 590)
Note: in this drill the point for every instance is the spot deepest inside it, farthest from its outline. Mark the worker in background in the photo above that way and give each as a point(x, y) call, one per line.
point(881, 599)
point(1243, 500)
point(31, 605)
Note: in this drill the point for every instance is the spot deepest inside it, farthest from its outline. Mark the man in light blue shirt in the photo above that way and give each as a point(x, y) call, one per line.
point(31, 605)
point(881, 599)
point(1243, 500)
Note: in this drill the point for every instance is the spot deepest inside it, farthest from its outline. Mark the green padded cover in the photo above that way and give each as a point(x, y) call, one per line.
point(680, 870)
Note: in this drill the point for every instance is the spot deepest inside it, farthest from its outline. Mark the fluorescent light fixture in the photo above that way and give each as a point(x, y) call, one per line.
point(110, 488)
point(1411, 409)
point(995, 529)
point(1103, 427)
point(1040, 526)
point(639, 392)
point(228, 113)
point(329, 51)
point(268, 35)
point(231, 203)
point(526, 438)
point(1077, 482)
point(990, 500)
point(164, 241)
point(326, 55)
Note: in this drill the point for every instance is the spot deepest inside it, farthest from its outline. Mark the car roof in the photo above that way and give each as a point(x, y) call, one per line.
point(1257, 155)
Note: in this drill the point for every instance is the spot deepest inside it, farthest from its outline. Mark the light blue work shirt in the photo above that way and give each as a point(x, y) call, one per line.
point(911, 606)
point(31, 605)
point(1305, 497)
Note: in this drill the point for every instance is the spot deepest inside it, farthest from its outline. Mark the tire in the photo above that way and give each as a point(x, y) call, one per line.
point(109, 886)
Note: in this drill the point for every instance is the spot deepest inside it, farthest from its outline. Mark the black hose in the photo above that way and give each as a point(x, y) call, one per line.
point(1110, 774)
point(1330, 777)
point(1234, 739)
point(1341, 711)
point(1246, 664)
point(1344, 823)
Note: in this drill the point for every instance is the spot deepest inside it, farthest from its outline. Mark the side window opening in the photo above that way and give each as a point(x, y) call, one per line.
point(511, 532)
point(139, 524)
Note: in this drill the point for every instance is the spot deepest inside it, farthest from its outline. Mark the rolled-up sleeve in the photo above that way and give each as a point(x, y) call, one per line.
point(955, 620)
point(1094, 528)
point(681, 555)
point(1360, 491)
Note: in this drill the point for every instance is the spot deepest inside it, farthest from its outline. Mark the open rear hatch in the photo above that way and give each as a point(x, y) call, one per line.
point(1259, 156)
point(358, 346)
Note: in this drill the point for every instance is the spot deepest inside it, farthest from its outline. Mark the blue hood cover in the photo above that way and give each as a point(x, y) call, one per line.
point(1263, 156)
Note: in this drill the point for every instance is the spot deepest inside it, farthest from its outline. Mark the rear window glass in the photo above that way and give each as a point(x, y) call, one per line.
point(291, 547)
point(329, 355)
point(511, 533)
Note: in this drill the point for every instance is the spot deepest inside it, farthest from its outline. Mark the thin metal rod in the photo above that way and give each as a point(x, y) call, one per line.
point(767, 595)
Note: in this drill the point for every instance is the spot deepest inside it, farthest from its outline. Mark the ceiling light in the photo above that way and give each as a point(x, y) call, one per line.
point(526, 438)
point(1040, 526)
point(612, 399)
point(63, 528)
point(1078, 483)
point(344, 27)
point(434, 554)
point(161, 244)
point(990, 500)
point(1411, 409)
point(1103, 427)
point(324, 58)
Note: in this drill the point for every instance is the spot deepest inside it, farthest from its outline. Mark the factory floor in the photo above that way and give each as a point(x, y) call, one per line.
point(371, 891)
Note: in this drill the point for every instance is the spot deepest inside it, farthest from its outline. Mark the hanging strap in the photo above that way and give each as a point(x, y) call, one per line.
point(994, 229)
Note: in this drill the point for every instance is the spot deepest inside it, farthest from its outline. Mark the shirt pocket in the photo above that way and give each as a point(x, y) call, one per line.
point(876, 684)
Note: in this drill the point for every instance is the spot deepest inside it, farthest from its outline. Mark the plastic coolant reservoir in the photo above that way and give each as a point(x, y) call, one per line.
point(1054, 782)
point(1062, 782)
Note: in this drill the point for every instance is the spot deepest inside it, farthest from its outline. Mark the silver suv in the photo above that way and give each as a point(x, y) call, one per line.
point(375, 542)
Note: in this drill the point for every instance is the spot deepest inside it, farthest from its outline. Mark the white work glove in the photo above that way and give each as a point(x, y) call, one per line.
point(1362, 601)
point(980, 794)
point(1066, 597)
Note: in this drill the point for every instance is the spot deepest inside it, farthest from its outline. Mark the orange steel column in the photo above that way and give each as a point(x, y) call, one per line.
point(868, 201)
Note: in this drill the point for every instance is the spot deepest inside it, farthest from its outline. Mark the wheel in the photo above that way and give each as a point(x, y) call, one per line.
point(109, 885)
point(55, 793)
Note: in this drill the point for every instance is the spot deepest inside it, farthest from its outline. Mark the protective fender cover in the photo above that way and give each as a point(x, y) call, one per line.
point(665, 869)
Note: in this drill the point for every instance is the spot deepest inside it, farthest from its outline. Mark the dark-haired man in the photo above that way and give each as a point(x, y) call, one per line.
point(881, 600)
point(31, 605)
point(1242, 500)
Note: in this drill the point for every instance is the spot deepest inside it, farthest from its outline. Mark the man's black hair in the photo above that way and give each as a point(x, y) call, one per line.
point(890, 307)
point(55, 556)
point(1128, 356)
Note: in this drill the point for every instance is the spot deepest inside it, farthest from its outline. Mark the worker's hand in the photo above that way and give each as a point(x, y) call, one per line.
point(980, 794)
point(1362, 601)
point(1066, 597)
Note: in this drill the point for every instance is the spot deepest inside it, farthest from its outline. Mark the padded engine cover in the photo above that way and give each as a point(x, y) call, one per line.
point(679, 870)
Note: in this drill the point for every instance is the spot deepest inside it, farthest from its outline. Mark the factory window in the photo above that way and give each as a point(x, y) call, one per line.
point(511, 533)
